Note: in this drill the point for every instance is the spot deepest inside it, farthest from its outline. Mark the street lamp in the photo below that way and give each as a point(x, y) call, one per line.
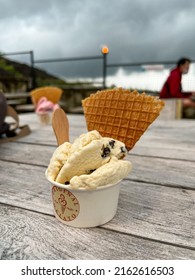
point(105, 51)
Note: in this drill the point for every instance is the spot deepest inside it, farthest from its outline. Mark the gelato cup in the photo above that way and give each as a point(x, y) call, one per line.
point(84, 207)
point(45, 118)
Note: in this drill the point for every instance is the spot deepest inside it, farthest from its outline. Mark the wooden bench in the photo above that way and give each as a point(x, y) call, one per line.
point(172, 110)
point(15, 102)
point(25, 108)
point(21, 101)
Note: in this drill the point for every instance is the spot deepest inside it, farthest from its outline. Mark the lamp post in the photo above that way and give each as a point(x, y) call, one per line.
point(33, 74)
point(105, 51)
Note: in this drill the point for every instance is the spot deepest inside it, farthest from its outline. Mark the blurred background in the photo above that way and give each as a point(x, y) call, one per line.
point(54, 42)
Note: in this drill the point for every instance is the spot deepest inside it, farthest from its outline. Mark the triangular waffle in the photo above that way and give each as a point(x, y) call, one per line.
point(121, 114)
point(52, 94)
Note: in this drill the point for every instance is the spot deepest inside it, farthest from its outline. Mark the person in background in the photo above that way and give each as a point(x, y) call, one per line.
point(172, 87)
point(4, 127)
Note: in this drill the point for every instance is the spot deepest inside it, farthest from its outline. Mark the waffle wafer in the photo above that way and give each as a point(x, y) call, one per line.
point(52, 94)
point(121, 114)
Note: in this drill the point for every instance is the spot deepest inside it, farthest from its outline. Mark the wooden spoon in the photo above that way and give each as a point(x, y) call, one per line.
point(60, 126)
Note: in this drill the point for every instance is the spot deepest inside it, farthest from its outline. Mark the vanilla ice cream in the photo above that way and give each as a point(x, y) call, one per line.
point(91, 161)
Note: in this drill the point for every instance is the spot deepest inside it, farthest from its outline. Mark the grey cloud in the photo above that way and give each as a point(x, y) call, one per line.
point(134, 30)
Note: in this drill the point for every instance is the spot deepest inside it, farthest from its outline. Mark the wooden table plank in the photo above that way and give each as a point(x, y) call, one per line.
point(148, 149)
point(169, 124)
point(161, 171)
point(180, 152)
point(155, 217)
point(28, 235)
point(147, 210)
point(25, 186)
point(158, 212)
point(162, 139)
point(170, 172)
point(33, 120)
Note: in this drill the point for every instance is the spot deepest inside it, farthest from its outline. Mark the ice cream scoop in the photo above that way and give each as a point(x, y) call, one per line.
point(45, 105)
point(109, 173)
point(93, 156)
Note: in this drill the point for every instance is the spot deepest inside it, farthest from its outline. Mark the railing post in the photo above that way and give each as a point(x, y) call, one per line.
point(105, 51)
point(33, 74)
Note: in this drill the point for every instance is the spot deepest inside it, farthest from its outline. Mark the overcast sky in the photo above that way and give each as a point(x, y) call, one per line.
point(134, 30)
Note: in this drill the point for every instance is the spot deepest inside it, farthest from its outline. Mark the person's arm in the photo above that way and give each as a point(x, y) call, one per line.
point(174, 83)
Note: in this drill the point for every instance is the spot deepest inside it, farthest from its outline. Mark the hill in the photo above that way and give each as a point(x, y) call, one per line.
point(15, 76)
point(19, 77)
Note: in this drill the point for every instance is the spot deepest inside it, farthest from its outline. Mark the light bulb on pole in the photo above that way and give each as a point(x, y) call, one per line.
point(105, 51)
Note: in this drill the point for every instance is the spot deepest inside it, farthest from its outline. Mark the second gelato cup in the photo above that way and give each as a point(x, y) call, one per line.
point(84, 207)
point(45, 118)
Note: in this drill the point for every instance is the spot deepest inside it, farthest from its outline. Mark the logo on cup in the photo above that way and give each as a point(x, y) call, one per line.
point(65, 203)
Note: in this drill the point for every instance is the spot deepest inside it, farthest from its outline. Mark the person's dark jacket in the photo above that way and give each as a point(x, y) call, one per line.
point(3, 111)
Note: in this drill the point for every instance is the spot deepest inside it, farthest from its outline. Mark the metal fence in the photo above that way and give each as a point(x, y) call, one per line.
point(148, 76)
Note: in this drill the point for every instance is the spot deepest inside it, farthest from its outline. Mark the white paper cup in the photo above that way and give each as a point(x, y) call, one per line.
point(44, 118)
point(84, 207)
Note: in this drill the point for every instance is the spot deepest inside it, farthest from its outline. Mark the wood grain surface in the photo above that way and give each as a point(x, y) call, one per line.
point(155, 217)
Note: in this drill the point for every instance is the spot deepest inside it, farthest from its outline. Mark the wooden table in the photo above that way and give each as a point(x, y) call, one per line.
point(156, 211)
